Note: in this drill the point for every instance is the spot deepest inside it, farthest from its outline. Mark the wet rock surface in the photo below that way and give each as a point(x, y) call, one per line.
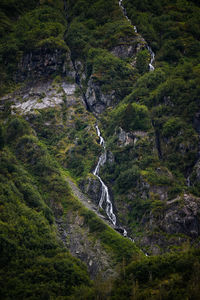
point(92, 187)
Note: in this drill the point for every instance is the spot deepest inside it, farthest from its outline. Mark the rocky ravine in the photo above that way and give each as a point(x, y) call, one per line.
point(78, 239)
point(50, 100)
point(177, 216)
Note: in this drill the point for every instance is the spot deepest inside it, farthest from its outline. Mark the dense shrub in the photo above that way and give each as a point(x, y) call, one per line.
point(16, 128)
point(131, 117)
point(128, 179)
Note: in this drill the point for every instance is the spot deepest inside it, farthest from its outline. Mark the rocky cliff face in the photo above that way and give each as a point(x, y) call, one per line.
point(56, 112)
point(129, 48)
point(161, 222)
point(96, 99)
point(44, 62)
point(173, 224)
point(182, 216)
point(148, 122)
point(92, 187)
point(77, 238)
point(146, 198)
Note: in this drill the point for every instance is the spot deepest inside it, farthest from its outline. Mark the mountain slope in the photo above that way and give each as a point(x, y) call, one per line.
point(67, 66)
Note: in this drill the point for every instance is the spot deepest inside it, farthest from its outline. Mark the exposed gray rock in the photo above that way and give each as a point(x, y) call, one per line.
point(156, 243)
point(44, 62)
point(172, 224)
point(160, 191)
point(125, 138)
point(76, 237)
point(129, 138)
point(92, 187)
point(96, 99)
point(110, 158)
point(129, 48)
point(182, 216)
point(68, 88)
point(80, 71)
point(41, 96)
point(124, 51)
point(68, 67)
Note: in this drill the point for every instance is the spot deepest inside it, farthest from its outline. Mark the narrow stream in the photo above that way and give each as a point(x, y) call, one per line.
point(151, 67)
point(105, 197)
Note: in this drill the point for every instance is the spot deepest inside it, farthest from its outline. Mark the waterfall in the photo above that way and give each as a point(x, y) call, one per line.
point(151, 67)
point(105, 197)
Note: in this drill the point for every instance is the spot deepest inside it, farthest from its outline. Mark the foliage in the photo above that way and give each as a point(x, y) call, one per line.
point(142, 61)
point(109, 71)
point(165, 277)
point(33, 193)
point(128, 179)
point(130, 117)
point(158, 112)
point(32, 26)
point(33, 263)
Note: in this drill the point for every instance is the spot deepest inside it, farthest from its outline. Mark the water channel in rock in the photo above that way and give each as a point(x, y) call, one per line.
point(151, 67)
point(105, 196)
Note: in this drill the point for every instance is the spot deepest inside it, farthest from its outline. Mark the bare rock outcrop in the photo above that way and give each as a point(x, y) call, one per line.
point(44, 62)
point(129, 48)
point(173, 224)
point(96, 99)
point(92, 187)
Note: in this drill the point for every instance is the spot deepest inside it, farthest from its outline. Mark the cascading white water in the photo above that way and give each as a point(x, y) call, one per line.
point(105, 197)
point(135, 28)
point(151, 67)
point(104, 194)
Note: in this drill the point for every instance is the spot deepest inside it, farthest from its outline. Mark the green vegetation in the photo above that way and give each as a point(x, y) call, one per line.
point(34, 193)
point(174, 276)
point(96, 28)
point(159, 117)
point(171, 27)
point(130, 117)
point(109, 71)
point(151, 130)
point(33, 262)
point(33, 25)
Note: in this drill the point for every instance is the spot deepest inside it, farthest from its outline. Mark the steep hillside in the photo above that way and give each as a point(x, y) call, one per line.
point(99, 149)
point(154, 132)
